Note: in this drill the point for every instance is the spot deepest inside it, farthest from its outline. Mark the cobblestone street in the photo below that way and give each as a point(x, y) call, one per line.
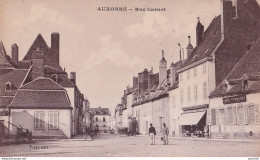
point(107, 145)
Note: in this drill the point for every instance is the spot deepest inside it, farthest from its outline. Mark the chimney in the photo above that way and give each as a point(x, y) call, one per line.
point(189, 48)
point(199, 31)
point(73, 77)
point(142, 81)
point(162, 69)
point(135, 87)
point(180, 50)
point(55, 47)
point(173, 73)
point(226, 9)
point(37, 64)
point(15, 53)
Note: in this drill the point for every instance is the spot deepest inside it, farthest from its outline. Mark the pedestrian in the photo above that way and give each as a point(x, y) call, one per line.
point(165, 132)
point(152, 134)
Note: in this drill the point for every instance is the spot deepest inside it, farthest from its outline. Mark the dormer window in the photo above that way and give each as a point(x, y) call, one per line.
point(54, 77)
point(245, 84)
point(8, 86)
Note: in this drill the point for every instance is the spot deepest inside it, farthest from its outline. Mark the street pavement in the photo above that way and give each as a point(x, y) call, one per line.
point(108, 145)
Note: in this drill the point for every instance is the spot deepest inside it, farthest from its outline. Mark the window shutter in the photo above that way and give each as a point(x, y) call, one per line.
point(245, 115)
point(234, 115)
point(256, 114)
point(209, 116)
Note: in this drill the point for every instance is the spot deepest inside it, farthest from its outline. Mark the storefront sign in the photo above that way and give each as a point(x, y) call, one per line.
point(235, 99)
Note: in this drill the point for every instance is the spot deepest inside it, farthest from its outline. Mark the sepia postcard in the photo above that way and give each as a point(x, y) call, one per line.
point(129, 78)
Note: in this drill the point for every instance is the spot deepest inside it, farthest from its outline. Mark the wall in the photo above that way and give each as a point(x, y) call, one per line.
point(71, 95)
point(100, 122)
point(25, 118)
point(234, 130)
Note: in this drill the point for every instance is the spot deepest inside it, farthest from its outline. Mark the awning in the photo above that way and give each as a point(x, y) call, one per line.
point(191, 118)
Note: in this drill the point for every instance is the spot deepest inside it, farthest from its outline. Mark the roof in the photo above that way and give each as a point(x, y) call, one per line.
point(42, 83)
point(40, 99)
point(249, 66)
point(15, 77)
point(63, 79)
point(4, 58)
point(5, 101)
point(100, 111)
point(211, 38)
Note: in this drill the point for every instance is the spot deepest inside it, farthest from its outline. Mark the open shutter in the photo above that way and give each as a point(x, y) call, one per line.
point(256, 114)
point(246, 114)
point(234, 115)
point(209, 117)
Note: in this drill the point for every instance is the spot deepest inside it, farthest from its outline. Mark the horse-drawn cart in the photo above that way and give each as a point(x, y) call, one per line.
point(22, 133)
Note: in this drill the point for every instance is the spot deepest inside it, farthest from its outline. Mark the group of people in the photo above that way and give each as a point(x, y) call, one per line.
point(165, 134)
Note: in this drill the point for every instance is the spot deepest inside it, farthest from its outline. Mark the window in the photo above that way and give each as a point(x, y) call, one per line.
point(229, 115)
point(53, 120)
point(246, 114)
point(104, 119)
point(173, 101)
point(204, 68)
point(8, 86)
point(39, 120)
point(181, 95)
point(240, 115)
point(234, 115)
point(181, 79)
point(213, 116)
point(251, 114)
point(54, 77)
point(96, 118)
point(195, 93)
point(189, 97)
point(205, 93)
point(188, 74)
point(104, 126)
point(256, 114)
point(195, 71)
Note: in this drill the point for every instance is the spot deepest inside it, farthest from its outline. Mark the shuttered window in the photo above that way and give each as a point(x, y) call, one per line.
point(213, 116)
point(256, 114)
point(234, 115)
point(240, 115)
point(246, 114)
point(251, 114)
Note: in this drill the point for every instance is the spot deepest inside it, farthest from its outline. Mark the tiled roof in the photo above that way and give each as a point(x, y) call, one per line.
point(4, 59)
point(35, 99)
point(15, 77)
point(211, 39)
point(5, 101)
point(63, 79)
point(42, 83)
point(248, 65)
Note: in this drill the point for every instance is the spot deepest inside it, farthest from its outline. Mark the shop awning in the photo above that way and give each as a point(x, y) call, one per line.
point(191, 118)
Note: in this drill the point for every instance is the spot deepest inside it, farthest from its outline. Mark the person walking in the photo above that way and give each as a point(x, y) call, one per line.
point(152, 134)
point(165, 132)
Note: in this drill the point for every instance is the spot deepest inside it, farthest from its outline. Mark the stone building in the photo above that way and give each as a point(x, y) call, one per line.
point(101, 118)
point(234, 104)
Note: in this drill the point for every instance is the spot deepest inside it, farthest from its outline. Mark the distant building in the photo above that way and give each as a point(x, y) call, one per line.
point(101, 118)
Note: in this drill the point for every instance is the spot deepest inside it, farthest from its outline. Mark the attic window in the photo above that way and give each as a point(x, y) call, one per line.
point(8, 86)
point(54, 77)
point(245, 84)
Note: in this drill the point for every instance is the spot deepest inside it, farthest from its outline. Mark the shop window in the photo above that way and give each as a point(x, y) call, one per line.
point(53, 120)
point(39, 120)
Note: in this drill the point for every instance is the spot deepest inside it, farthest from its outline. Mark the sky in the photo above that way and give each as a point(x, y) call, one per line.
point(105, 48)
